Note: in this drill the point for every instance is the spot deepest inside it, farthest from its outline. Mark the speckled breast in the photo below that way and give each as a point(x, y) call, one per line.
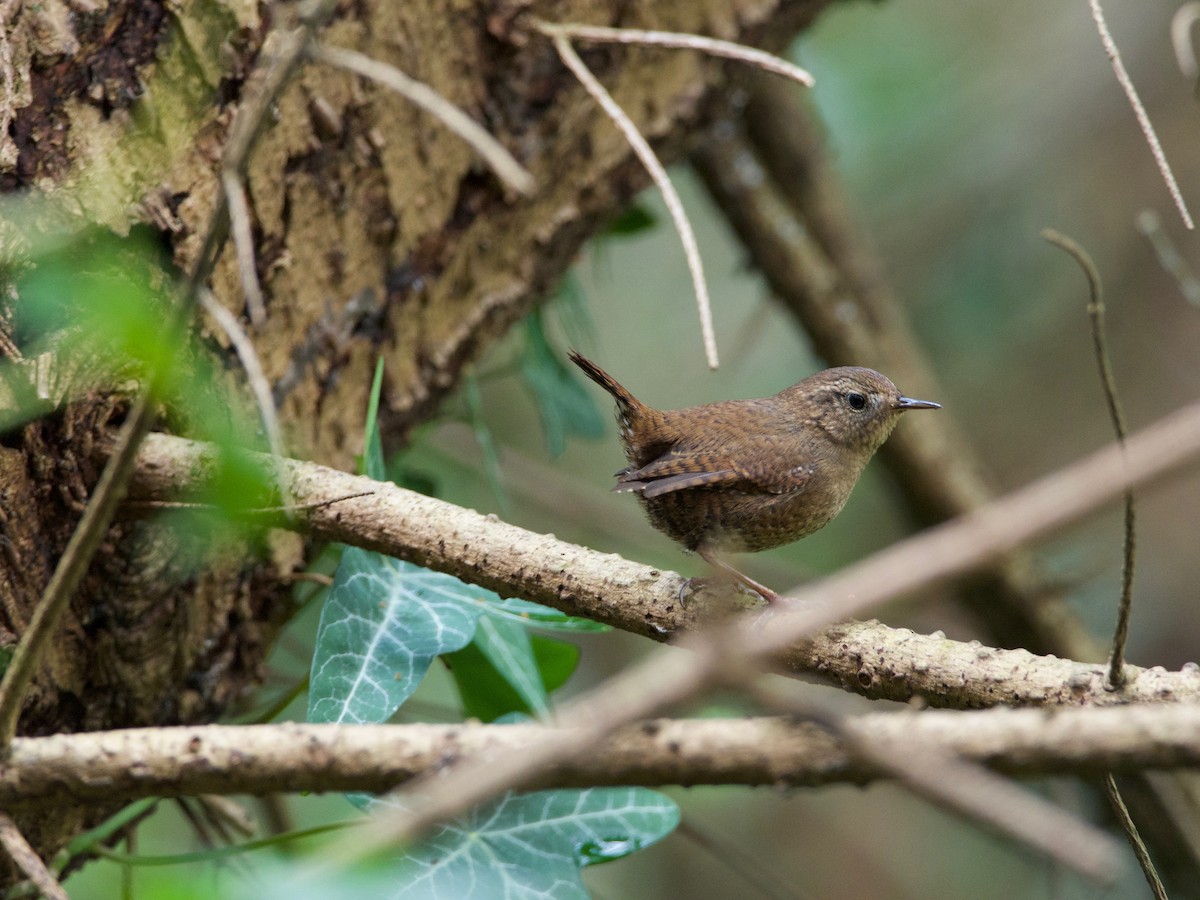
point(738, 521)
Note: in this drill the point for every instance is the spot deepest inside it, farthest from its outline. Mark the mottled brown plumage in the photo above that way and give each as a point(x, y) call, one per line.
point(747, 475)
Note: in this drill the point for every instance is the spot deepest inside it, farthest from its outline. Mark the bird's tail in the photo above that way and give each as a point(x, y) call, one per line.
point(626, 402)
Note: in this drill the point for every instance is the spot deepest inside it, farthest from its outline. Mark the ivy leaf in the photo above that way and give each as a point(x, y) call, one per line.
point(534, 845)
point(503, 648)
point(382, 625)
point(486, 681)
point(544, 617)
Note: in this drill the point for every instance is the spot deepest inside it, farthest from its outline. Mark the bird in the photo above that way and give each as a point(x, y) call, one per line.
point(740, 476)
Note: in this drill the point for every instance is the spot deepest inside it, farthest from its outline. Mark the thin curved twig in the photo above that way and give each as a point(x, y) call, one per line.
point(491, 150)
point(243, 244)
point(1121, 811)
point(1182, 23)
point(641, 147)
point(1116, 666)
point(713, 46)
point(257, 381)
point(1160, 158)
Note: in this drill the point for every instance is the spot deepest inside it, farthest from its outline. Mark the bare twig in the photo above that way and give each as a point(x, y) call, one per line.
point(259, 387)
point(1095, 308)
point(713, 46)
point(1169, 257)
point(563, 32)
point(642, 149)
point(491, 150)
point(28, 861)
point(1160, 158)
point(1135, 840)
point(243, 243)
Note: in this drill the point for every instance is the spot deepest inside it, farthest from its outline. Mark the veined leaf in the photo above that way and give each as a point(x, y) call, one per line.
point(506, 646)
point(533, 845)
point(383, 623)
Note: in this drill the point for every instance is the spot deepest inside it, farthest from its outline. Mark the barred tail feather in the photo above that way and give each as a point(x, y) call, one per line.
point(625, 400)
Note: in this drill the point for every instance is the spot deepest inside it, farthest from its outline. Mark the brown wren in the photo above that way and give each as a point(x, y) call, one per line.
point(748, 475)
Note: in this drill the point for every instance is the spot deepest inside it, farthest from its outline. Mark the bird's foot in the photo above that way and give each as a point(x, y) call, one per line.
point(740, 577)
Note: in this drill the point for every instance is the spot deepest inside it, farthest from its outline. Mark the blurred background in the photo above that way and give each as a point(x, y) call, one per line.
point(959, 130)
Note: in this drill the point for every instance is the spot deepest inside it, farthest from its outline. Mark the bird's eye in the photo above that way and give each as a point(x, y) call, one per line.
point(856, 400)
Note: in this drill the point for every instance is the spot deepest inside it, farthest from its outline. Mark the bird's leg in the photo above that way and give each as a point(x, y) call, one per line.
point(717, 563)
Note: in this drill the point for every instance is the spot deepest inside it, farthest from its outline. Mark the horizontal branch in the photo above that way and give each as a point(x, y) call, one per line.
point(293, 757)
point(866, 657)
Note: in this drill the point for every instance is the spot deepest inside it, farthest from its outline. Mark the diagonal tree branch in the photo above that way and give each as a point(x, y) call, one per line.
point(28, 861)
point(866, 657)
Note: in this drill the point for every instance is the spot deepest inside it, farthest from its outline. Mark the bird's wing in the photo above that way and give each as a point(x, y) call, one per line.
point(674, 471)
point(779, 479)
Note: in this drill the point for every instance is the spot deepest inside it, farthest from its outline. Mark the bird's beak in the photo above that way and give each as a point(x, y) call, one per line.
point(910, 403)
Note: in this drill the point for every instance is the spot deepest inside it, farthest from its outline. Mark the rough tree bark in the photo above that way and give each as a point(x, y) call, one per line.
point(376, 231)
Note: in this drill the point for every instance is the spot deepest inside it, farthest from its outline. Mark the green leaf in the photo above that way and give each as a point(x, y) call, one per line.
point(506, 670)
point(383, 623)
point(556, 660)
point(632, 221)
point(372, 463)
point(564, 404)
point(569, 304)
point(497, 673)
point(533, 845)
point(544, 616)
point(485, 694)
